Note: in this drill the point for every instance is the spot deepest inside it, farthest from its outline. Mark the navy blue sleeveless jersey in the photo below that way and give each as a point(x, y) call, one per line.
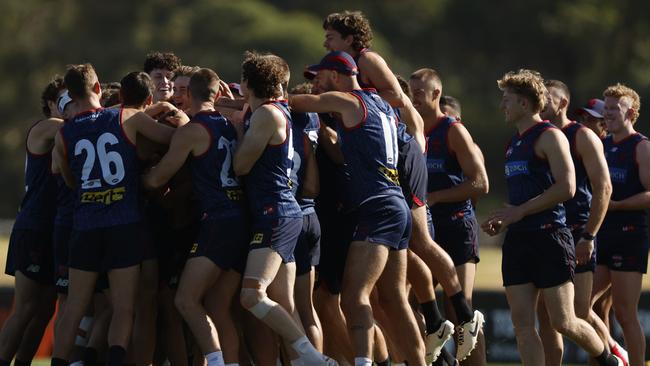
point(528, 176)
point(360, 80)
point(216, 187)
point(64, 203)
point(624, 174)
point(106, 167)
point(577, 208)
point(305, 128)
point(268, 184)
point(370, 150)
point(38, 206)
point(444, 170)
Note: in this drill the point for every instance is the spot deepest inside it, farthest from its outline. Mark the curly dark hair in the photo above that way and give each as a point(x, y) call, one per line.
point(160, 60)
point(351, 23)
point(264, 73)
point(50, 94)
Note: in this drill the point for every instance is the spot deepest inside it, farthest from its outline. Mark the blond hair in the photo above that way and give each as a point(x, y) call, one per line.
point(525, 83)
point(621, 91)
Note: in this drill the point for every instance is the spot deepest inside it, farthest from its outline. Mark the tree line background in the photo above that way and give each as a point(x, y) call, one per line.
point(588, 44)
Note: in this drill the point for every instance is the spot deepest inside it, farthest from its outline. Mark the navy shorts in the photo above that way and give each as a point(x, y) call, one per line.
point(576, 232)
point(62, 236)
point(625, 251)
point(280, 234)
point(384, 220)
point(459, 238)
point(337, 229)
point(224, 241)
point(107, 248)
point(30, 253)
point(413, 174)
point(545, 258)
point(307, 252)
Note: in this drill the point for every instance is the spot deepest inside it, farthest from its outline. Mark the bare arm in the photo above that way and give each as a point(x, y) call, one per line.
point(469, 157)
point(151, 129)
point(348, 106)
point(640, 201)
point(265, 122)
point(328, 139)
point(181, 145)
point(311, 181)
point(590, 149)
point(379, 74)
point(59, 155)
point(41, 136)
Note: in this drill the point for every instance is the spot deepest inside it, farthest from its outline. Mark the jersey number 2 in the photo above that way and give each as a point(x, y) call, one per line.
point(110, 162)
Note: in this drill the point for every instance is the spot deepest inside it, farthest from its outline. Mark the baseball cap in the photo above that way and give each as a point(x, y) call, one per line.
point(235, 88)
point(594, 107)
point(63, 101)
point(336, 60)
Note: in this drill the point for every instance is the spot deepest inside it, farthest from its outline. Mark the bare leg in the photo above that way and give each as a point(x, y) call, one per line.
point(171, 327)
point(124, 286)
point(337, 342)
point(305, 306)
point(144, 328)
point(522, 300)
point(551, 339)
point(626, 290)
point(219, 304)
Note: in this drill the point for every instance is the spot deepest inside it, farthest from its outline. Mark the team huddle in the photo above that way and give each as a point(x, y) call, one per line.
point(174, 217)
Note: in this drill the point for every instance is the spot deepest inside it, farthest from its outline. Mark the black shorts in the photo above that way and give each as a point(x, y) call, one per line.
point(576, 232)
point(384, 220)
point(545, 258)
point(30, 253)
point(280, 234)
point(107, 248)
point(413, 174)
point(337, 229)
point(224, 241)
point(174, 252)
point(62, 236)
point(459, 238)
point(307, 250)
point(625, 251)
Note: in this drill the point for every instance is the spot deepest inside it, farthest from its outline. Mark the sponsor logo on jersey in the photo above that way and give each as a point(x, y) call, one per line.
point(390, 174)
point(106, 197)
point(436, 165)
point(257, 238)
point(34, 268)
point(514, 168)
point(195, 246)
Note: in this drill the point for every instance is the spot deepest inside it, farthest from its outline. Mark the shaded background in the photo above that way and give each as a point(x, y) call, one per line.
point(588, 44)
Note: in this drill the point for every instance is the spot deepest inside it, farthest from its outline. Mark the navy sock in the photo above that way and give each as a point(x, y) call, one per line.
point(18, 362)
point(116, 356)
point(463, 312)
point(58, 362)
point(432, 317)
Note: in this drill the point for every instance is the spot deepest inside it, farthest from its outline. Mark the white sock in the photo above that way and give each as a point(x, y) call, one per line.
point(400, 364)
point(308, 354)
point(362, 361)
point(215, 358)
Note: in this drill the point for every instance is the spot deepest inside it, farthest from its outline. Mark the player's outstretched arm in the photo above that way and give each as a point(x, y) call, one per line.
point(471, 162)
point(640, 201)
point(265, 122)
point(181, 145)
point(151, 129)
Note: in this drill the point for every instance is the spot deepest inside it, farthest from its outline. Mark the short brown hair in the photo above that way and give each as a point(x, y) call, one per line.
point(79, 80)
point(51, 94)
point(184, 70)
point(351, 23)
point(302, 88)
point(264, 73)
point(557, 84)
point(528, 84)
point(160, 60)
point(428, 75)
point(406, 88)
point(204, 85)
point(621, 91)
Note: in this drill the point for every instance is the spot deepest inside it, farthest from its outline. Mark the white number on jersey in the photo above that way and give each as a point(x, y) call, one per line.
point(110, 162)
